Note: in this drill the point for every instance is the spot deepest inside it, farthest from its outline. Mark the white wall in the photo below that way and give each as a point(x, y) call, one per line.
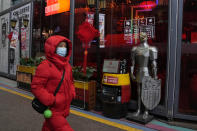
point(4, 4)
point(4, 42)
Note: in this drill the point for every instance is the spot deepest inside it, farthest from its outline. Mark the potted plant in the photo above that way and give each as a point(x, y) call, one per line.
point(85, 87)
point(79, 75)
point(26, 70)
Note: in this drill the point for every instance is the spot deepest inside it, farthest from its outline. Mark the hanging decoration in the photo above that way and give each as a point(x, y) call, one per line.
point(86, 33)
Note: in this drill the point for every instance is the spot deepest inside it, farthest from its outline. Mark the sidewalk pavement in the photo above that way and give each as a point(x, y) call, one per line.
point(94, 116)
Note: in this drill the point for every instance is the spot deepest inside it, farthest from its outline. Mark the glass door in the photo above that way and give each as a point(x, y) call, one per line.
point(121, 21)
point(152, 17)
point(186, 93)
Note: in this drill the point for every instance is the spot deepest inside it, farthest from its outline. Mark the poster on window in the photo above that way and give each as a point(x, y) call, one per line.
point(90, 17)
point(102, 30)
point(134, 27)
point(128, 34)
point(4, 31)
point(20, 49)
point(14, 39)
point(23, 39)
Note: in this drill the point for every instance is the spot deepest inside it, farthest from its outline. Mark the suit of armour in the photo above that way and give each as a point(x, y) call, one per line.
point(143, 56)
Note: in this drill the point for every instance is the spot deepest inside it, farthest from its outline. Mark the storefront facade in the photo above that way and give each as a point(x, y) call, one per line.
point(9, 34)
point(169, 25)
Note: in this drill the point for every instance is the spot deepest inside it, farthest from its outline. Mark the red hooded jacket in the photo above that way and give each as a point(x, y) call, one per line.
point(48, 75)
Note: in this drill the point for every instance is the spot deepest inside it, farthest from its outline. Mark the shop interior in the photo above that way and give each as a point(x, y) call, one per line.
point(116, 42)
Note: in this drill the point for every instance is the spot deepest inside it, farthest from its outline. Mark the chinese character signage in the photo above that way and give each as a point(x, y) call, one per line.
point(110, 80)
point(57, 6)
point(111, 66)
point(132, 28)
point(128, 31)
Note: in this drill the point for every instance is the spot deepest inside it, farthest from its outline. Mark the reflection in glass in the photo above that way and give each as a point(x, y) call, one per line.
point(188, 82)
point(123, 20)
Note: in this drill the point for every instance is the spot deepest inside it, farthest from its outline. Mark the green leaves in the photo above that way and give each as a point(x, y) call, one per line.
point(27, 61)
point(79, 75)
point(38, 60)
point(30, 61)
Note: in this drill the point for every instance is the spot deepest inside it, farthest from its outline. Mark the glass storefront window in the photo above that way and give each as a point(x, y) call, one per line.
point(46, 26)
point(188, 77)
point(123, 20)
point(37, 46)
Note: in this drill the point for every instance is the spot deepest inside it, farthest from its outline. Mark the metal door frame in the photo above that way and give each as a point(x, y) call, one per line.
point(176, 92)
point(166, 110)
point(170, 108)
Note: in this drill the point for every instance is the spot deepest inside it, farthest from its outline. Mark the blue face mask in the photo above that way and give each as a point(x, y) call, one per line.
point(62, 51)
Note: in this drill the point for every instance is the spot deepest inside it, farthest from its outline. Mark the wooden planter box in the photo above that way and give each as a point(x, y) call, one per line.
point(24, 75)
point(85, 94)
point(26, 69)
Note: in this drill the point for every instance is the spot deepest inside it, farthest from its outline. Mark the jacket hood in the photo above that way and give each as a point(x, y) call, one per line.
point(50, 50)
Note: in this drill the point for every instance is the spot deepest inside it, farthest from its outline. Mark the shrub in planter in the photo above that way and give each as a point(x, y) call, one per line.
point(27, 61)
point(79, 75)
point(85, 88)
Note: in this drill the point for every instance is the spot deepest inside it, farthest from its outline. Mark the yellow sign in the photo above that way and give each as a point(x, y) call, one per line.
point(56, 6)
point(116, 79)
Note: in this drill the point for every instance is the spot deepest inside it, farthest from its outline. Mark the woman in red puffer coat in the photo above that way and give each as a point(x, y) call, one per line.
point(58, 50)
